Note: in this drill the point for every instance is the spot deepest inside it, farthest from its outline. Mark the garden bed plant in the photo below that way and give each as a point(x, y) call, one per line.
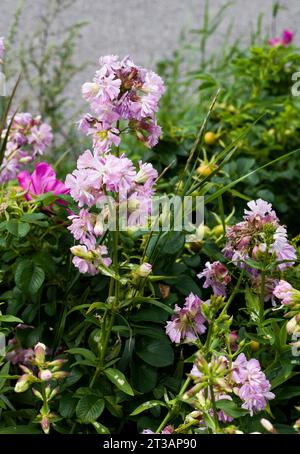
point(106, 329)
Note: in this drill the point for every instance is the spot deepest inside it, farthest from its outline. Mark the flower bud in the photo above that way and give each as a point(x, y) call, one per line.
point(291, 325)
point(37, 394)
point(144, 270)
point(60, 375)
point(82, 252)
point(45, 375)
point(45, 424)
point(23, 383)
point(267, 425)
point(39, 352)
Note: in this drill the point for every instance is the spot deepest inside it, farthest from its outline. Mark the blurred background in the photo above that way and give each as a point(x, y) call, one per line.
point(148, 30)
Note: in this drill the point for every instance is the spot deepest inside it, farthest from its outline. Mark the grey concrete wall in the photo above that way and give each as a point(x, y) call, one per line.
point(148, 30)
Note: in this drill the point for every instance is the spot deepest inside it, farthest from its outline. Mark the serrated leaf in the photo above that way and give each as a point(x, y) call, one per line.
point(89, 408)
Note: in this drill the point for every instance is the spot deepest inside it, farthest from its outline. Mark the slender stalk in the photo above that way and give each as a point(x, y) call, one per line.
point(171, 412)
point(213, 404)
point(232, 296)
point(262, 296)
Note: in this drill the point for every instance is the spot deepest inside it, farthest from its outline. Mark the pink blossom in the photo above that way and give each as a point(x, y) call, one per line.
point(216, 276)
point(82, 228)
point(187, 322)
point(40, 137)
point(88, 261)
point(285, 39)
point(252, 385)
point(42, 180)
point(284, 292)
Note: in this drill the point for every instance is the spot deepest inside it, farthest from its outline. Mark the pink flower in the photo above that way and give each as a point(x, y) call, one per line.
point(42, 180)
point(40, 137)
point(286, 38)
point(284, 292)
point(252, 385)
point(88, 261)
point(187, 322)
point(82, 228)
point(216, 276)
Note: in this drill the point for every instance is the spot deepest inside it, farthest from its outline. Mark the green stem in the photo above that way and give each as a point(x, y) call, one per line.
point(262, 297)
point(214, 407)
point(232, 296)
point(171, 412)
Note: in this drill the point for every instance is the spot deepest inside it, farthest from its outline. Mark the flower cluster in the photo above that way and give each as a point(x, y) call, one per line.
point(92, 183)
point(242, 378)
point(216, 276)
point(187, 322)
point(285, 39)
point(250, 384)
point(259, 237)
point(121, 91)
point(41, 372)
point(28, 137)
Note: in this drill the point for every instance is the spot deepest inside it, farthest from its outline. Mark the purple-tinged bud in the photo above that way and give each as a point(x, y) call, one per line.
point(40, 351)
point(45, 375)
point(45, 423)
point(23, 383)
point(60, 375)
point(144, 270)
point(57, 363)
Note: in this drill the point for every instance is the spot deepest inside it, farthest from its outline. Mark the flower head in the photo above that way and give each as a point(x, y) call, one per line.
point(216, 276)
point(42, 180)
point(187, 322)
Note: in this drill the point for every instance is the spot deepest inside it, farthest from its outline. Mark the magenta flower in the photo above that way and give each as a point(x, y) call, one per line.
point(187, 322)
point(42, 180)
point(286, 38)
point(216, 276)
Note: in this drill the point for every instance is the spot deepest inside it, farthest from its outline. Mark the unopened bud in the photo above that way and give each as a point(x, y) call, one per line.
point(82, 252)
point(144, 270)
point(39, 352)
point(23, 383)
point(267, 425)
point(45, 375)
point(45, 424)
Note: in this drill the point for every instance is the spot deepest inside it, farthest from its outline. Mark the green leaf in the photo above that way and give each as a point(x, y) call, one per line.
point(230, 408)
point(87, 354)
point(67, 406)
point(119, 379)
point(17, 228)
point(19, 430)
point(89, 408)
point(100, 429)
point(146, 405)
point(10, 319)
point(156, 352)
point(29, 276)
